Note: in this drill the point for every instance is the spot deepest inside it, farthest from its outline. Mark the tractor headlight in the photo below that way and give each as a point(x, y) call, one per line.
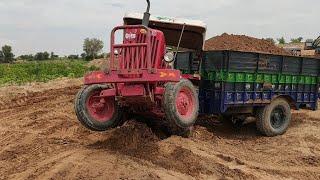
point(169, 57)
point(116, 52)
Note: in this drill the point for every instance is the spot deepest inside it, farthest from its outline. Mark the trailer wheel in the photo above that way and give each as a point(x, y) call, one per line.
point(181, 106)
point(274, 119)
point(97, 114)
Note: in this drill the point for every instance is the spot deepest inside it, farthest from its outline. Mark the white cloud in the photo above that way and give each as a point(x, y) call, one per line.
point(61, 25)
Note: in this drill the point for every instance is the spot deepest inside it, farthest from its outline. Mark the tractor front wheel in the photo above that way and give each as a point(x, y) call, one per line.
point(97, 113)
point(181, 106)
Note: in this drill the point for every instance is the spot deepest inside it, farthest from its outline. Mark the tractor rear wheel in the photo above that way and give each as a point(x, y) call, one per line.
point(94, 112)
point(274, 119)
point(181, 106)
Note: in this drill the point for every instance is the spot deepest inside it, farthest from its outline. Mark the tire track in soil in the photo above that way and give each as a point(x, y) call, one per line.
point(42, 139)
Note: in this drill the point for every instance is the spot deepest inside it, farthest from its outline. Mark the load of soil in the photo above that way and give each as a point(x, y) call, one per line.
point(243, 43)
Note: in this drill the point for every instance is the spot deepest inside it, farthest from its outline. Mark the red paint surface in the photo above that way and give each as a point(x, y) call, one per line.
point(132, 90)
point(185, 102)
point(163, 75)
point(101, 109)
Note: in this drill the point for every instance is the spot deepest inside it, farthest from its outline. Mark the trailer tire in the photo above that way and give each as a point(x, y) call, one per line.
point(274, 119)
point(181, 106)
point(109, 116)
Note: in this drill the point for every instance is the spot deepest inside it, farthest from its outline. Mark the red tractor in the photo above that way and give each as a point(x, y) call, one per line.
point(141, 79)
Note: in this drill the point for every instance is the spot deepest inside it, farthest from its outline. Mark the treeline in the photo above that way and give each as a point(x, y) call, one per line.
point(282, 40)
point(92, 48)
point(41, 56)
point(6, 56)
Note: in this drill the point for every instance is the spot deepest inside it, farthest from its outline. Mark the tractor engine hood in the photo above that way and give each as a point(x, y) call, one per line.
point(194, 31)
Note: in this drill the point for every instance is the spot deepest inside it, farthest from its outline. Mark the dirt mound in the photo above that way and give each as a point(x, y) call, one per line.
point(130, 138)
point(99, 63)
point(243, 43)
point(137, 140)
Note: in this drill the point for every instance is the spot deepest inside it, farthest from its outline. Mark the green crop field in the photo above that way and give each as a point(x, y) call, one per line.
point(43, 71)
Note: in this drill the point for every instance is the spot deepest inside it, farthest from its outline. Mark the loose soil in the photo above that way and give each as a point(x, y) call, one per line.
point(99, 63)
point(40, 138)
point(243, 43)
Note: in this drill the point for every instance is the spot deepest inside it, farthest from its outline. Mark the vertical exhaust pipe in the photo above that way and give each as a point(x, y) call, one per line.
point(146, 16)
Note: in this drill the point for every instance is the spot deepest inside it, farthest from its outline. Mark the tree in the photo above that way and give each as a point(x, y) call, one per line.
point(83, 55)
point(281, 40)
point(40, 56)
point(46, 55)
point(73, 56)
point(53, 56)
point(271, 40)
point(1, 57)
point(92, 47)
point(296, 40)
point(26, 57)
point(7, 53)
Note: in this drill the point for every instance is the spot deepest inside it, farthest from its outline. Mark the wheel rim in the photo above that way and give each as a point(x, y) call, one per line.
point(101, 109)
point(278, 117)
point(185, 102)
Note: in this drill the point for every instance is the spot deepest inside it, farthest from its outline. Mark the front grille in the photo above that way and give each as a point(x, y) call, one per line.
point(138, 51)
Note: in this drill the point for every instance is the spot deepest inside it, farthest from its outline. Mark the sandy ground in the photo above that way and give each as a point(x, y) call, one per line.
point(40, 138)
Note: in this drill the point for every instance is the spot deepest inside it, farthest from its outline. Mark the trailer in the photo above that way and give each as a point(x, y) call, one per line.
point(147, 78)
point(267, 86)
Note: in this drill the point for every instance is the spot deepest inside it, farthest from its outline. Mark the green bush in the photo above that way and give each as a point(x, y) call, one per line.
point(42, 71)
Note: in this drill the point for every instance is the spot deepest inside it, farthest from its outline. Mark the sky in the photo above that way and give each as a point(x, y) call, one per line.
point(60, 26)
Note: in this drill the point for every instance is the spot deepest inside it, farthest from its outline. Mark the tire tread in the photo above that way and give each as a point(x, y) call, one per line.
point(83, 117)
point(262, 115)
point(170, 112)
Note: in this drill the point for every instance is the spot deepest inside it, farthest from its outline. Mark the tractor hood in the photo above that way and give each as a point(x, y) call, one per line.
point(194, 31)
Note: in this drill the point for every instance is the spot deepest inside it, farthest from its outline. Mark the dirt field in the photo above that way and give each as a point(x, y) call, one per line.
point(41, 139)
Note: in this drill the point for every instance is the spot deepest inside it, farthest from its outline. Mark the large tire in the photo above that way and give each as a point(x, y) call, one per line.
point(181, 106)
point(94, 115)
point(274, 119)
